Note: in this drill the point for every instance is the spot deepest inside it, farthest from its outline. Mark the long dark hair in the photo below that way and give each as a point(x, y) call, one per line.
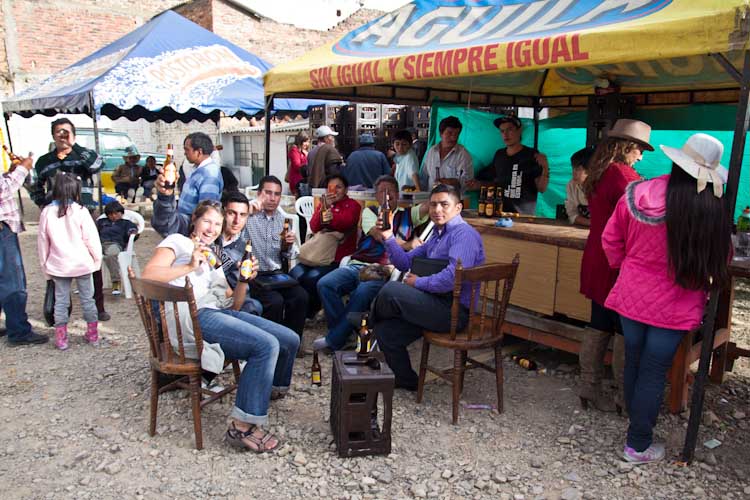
point(67, 190)
point(611, 149)
point(698, 233)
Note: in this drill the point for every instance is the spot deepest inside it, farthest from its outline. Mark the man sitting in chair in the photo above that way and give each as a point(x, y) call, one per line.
point(368, 268)
point(403, 310)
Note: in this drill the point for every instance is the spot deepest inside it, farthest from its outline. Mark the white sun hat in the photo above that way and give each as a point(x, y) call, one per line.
point(700, 157)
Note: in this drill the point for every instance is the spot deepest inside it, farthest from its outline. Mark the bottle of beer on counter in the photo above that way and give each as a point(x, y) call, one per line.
point(525, 363)
point(385, 212)
point(364, 338)
point(246, 264)
point(482, 201)
point(489, 204)
point(170, 169)
point(498, 201)
point(315, 370)
point(284, 245)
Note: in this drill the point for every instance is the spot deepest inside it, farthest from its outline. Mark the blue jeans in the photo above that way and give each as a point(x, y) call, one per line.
point(332, 287)
point(13, 285)
point(268, 348)
point(307, 277)
point(648, 355)
point(252, 306)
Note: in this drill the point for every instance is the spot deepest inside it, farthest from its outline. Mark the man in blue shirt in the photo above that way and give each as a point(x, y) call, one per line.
point(366, 164)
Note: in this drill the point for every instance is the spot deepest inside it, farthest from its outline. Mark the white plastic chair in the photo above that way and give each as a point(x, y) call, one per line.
point(304, 206)
point(127, 256)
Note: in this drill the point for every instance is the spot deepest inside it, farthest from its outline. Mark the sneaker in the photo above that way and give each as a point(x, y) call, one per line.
point(212, 386)
point(31, 338)
point(103, 316)
point(116, 288)
point(653, 453)
point(321, 344)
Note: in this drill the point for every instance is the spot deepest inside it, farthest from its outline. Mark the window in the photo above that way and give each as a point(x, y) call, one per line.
point(243, 150)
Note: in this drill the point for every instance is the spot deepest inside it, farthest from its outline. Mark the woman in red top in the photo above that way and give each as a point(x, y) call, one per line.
point(297, 157)
point(342, 216)
point(610, 171)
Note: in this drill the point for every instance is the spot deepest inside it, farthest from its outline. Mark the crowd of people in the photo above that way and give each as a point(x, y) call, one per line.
point(655, 248)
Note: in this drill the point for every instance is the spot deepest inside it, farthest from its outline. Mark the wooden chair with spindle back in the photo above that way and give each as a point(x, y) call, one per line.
point(484, 329)
point(151, 298)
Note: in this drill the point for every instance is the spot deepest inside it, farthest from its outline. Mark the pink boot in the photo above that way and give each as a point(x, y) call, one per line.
point(92, 333)
point(61, 337)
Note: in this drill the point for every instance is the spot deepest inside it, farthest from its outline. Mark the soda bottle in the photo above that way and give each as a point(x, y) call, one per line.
point(246, 264)
point(743, 233)
point(170, 169)
point(284, 245)
point(364, 338)
point(482, 201)
point(385, 212)
point(315, 370)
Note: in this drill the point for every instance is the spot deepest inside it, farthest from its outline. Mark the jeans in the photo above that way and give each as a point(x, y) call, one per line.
point(252, 306)
point(111, 251)
point(85, 294)
point(648, 355)
point(13, 285)
point(285, 306)
point(307, 277)
point(331, 288)
point(401, 314)
point(268, 348)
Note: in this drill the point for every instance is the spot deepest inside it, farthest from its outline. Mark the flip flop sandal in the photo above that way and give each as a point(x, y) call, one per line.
point(235, 438)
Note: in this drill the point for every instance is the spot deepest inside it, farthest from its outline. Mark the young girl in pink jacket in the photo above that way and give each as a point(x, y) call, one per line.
point(670, 238)
point(69, 248)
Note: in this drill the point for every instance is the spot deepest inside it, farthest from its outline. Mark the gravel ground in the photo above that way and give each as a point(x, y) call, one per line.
point(74, 426)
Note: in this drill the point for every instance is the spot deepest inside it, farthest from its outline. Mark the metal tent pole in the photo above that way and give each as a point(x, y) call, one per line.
point(730, 197)
point(267, 120)
point(96, 144)
point(536, 123)
point(10, 146)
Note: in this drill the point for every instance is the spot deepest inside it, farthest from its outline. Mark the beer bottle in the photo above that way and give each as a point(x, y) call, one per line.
point(246, 264)
point(170, 169)
point(210, 256)
point(364, 338)
point(385, 212)
point(325, 215)
point(482, 201)
point(14, 159)
point(525, 363)
point(315, 371)
point(284, 245)
point(489, 207)
point(498, 201)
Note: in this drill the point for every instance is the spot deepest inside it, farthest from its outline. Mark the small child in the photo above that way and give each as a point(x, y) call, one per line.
point(576, 204)
point(114, 232)
point(407, 165)
point(69, 248)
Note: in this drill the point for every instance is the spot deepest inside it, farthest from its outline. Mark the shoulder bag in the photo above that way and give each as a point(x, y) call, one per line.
point(320, 249)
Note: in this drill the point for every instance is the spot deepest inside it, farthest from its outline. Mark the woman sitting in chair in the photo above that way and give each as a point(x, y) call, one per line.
point(336, 212)
point(268, 348)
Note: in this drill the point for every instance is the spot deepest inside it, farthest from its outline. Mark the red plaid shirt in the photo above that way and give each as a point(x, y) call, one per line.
point(9, 186)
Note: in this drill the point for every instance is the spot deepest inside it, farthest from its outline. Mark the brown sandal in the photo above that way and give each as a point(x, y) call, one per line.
point(236, 438)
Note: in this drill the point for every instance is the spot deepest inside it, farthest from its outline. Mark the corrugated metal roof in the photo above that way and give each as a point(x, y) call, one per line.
point(294, 126)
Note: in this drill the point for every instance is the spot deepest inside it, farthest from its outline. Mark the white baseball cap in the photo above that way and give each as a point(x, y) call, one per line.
point(323, 131)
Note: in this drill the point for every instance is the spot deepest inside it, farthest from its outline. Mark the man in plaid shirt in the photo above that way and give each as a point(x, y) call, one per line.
point(12, 275)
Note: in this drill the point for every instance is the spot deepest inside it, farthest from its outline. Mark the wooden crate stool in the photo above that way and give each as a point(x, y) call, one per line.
point(355, 388)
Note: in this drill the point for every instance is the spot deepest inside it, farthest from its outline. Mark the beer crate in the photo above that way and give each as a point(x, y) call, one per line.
point(324, 114)
point(418, 117)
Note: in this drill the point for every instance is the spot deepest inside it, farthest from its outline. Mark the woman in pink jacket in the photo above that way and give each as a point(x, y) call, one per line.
point(69, 248)
point(670, 238)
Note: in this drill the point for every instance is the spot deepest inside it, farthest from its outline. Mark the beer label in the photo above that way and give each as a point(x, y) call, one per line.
point(246, 268)
point(210, 257)
point(316, 377)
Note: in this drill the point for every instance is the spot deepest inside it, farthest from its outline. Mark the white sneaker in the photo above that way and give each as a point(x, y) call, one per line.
point(116, 288)
point(212, 386)
point(653, 453)
point(321, 344)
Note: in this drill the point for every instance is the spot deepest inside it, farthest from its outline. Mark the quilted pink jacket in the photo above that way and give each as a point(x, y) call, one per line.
point(635, 240)
point(68, 246)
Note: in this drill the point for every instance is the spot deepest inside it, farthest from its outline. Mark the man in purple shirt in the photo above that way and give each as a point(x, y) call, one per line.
point(403, 310)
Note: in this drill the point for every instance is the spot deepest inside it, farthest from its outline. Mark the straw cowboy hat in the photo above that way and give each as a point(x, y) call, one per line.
point(131, 151)
point(699, 157)
point(632, 130)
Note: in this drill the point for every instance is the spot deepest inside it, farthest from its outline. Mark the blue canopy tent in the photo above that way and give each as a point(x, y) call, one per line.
point(168, 69)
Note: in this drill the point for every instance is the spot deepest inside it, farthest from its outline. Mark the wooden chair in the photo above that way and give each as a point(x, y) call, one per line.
point(180, 370)
point(484, 329)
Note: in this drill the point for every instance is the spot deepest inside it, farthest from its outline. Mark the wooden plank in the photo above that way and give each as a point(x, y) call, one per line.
point(548, 231)
point(534, 288)
point(568, 299)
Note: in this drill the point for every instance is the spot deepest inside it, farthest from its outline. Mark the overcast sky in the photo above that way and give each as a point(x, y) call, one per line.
point(316, 14)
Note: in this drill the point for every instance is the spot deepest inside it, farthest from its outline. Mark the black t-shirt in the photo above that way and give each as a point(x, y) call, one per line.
point(517, 176)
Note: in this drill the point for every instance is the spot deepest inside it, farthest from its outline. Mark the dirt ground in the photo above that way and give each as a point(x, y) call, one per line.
point(74, 426)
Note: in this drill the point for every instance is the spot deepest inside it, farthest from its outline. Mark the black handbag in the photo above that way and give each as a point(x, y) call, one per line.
point(273, 280)
point(49, 303)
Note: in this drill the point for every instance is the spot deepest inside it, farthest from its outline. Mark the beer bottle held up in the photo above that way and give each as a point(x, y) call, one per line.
point(385, 213)
point(246, 264)
point(14, 159)
point(285, 246)
point(481, 207)
point(315, 377)
point(489, 206)
point(170, 169)
point(325, 211)
point(211, 258)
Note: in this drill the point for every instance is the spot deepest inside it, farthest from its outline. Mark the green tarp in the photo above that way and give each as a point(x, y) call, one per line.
point(561, 136)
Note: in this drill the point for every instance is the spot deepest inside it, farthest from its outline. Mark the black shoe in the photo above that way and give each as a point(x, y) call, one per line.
point(31, 338)
point(406, 387)
point(104, 316)
point(3, 332)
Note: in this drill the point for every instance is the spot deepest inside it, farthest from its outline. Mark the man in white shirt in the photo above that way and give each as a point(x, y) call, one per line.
point(448, 159)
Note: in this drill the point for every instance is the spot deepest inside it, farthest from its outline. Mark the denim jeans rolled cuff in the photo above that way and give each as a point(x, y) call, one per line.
point(240, 415)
